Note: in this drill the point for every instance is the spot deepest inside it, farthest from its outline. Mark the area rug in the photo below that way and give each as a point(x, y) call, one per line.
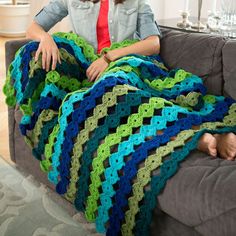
point(27, 208)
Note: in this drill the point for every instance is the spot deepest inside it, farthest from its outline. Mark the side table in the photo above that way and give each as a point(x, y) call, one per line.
point(172, 24)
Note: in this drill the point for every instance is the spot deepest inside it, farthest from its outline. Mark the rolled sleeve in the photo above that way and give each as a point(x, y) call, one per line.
point(146, 25)
point(54, 12)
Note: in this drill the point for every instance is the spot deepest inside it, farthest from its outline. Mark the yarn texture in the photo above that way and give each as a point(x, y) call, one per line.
point(111, 145)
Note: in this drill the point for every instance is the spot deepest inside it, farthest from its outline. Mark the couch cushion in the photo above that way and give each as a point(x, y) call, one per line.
point(203, 195)
point(164, 225)
point(229, 68)
point(198, 53)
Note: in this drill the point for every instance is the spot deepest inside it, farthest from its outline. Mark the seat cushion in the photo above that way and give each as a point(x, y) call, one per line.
point(203, 195)
point(165, 225)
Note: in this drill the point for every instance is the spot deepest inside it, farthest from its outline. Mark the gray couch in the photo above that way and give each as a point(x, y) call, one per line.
point(201, 198)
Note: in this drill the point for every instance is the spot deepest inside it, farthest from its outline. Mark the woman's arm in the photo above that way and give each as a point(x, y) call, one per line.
point(47, 46)
point(149, 43)
point(146, 47)
point(36, 32)
point(54, 12)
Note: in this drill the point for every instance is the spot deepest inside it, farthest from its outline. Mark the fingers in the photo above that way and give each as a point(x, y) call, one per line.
point(98, 76)
point(59, 57)
point(54, 59)
point(50, 53)
point(37, 54)
point(90, 71)
point(92, 74)
point(44, 58)
point(48, 60)
point(96, 69)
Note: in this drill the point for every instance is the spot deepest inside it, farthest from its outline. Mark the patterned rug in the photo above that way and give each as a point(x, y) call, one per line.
point(27, 208)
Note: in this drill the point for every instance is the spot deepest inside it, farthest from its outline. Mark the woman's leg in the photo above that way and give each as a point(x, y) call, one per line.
point(208, 144)
point(224, 144)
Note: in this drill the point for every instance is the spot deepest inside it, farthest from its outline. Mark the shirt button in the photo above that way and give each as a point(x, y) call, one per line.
point(111, 21)
point(112, 37)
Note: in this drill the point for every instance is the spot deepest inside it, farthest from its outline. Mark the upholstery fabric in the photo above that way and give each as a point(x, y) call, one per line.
point(229, 70)
point(193, 216)
point(199, 54)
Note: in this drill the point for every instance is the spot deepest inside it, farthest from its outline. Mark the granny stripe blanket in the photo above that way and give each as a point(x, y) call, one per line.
point(110, 146)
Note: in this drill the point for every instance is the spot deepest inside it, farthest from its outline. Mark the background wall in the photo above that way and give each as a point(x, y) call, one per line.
point(206, 6)
point(162, 9)
point(171, 9)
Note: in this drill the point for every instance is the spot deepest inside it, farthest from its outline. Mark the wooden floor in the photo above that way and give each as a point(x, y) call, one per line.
point(4, 144)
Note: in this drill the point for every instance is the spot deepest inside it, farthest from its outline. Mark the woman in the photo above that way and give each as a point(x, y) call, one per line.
point(131, 13)
point(102, 23)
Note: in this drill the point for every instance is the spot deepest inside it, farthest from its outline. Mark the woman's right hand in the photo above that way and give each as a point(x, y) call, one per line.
point(50, 52)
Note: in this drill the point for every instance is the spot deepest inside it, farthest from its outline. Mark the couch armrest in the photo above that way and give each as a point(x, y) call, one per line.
point(198, 53)
point(11, 48)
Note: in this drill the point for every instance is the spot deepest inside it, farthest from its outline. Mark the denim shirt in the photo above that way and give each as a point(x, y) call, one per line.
point(132, 19)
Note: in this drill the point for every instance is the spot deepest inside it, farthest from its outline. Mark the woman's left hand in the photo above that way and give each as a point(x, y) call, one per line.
point(96, 69)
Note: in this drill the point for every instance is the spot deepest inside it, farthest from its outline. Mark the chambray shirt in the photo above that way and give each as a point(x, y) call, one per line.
point(132, 19)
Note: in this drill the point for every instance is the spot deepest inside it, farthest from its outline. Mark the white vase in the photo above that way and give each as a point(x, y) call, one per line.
point(14, 19)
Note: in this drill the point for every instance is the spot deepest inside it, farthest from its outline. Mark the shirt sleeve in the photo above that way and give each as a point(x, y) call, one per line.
point(146, 26)
point(54, 12)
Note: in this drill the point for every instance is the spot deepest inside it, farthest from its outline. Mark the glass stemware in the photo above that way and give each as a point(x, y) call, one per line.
point(228, 17)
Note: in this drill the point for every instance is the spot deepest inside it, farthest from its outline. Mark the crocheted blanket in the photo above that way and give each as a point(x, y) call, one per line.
point(110, 146)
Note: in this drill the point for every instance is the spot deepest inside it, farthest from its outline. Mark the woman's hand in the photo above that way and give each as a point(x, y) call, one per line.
point(96, 69)
point(50, 52)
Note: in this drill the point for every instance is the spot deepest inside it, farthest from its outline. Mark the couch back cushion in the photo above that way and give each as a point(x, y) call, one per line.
point(229, 68)
point(198, 53)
